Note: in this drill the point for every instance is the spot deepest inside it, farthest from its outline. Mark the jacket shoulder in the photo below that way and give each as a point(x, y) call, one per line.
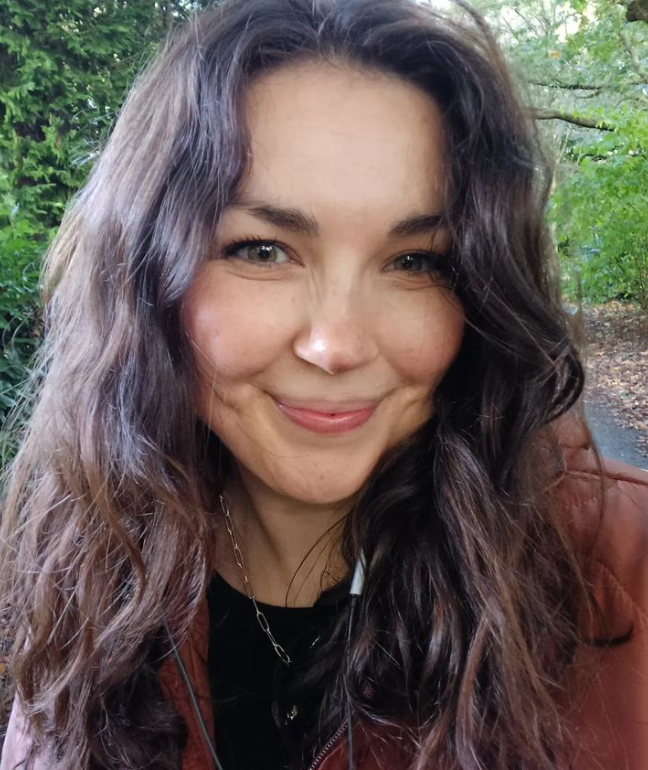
point(606, 507)
point(607, 513)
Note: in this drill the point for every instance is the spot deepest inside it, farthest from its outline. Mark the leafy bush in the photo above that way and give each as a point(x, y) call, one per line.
point(583, 67)
point(20, 250)
point(600, 209)
point(65, 67)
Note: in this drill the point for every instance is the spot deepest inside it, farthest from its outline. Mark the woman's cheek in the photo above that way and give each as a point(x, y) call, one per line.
point(422, 340)
point(238, 330)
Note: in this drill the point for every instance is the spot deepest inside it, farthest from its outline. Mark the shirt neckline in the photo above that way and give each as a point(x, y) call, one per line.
point(330, 596)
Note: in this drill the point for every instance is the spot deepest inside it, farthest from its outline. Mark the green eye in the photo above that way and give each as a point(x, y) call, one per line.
point(257, 251)
point(418, 262)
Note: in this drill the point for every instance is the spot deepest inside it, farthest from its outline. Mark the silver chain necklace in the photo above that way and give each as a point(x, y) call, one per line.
point(247, 586)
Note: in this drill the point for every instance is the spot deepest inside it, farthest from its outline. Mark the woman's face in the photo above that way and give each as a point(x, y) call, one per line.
point(320, 348)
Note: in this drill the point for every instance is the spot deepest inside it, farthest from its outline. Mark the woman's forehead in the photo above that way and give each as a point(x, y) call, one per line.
point(337, 139)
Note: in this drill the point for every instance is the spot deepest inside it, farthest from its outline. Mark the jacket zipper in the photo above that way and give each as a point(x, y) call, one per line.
point(327, 748)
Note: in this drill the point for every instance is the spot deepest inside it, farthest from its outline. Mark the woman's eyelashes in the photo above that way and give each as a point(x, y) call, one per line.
point(418, 262)
point(260, 251)
point(265, 252)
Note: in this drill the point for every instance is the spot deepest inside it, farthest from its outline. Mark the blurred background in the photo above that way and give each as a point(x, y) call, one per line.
point(582, 67)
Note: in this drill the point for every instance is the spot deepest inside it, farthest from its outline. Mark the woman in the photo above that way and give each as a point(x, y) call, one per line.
point(292, 494)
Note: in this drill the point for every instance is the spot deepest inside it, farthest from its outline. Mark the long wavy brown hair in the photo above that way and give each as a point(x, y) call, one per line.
point(468, 619)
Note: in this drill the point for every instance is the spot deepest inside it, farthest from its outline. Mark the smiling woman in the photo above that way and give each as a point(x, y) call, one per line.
point(300, 488)
point(352, 287)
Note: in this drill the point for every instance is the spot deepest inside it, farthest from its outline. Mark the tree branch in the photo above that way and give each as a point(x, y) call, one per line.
point(586, 86)
point(569, 86)
point(539, 114)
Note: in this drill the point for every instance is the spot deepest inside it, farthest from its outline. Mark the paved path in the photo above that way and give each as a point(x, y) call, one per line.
point(613, 441)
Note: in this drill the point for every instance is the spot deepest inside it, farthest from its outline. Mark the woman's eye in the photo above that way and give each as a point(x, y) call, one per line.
point(259, 252)
point(417, 263)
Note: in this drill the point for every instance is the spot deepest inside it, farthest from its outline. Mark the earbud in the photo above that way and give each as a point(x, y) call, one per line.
point(357, 582)
point(357, 585)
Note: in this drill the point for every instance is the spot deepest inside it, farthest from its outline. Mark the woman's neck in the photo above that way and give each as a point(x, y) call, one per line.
point(290, 548)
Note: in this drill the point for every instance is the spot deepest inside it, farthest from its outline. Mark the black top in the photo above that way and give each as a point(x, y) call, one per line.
point(258, 724)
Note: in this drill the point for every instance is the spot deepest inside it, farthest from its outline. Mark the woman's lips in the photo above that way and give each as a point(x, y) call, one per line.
point(335, 421)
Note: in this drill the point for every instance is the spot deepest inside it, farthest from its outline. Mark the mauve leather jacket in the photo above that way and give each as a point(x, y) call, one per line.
point(608, 712)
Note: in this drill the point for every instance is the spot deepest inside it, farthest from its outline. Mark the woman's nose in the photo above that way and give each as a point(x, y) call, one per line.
point(337, 336)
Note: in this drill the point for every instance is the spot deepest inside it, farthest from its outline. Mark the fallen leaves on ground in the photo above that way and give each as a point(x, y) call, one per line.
point(616, 361)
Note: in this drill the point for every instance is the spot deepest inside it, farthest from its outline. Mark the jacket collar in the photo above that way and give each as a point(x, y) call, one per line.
point(194, 655)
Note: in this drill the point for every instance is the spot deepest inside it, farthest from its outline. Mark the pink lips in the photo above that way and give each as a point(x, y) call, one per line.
point(334, 421)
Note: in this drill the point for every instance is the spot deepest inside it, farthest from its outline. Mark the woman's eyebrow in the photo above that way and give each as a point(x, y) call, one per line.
point(285, 217)
point(417, 224)
point(298, 221)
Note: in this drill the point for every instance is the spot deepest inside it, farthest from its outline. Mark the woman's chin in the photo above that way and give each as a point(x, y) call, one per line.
point(323, 491)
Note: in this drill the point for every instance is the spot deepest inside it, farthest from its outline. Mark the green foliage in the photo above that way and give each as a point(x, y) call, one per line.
point(586, 62)
point(65, 67)
point(601, 209)
point(21, 244)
